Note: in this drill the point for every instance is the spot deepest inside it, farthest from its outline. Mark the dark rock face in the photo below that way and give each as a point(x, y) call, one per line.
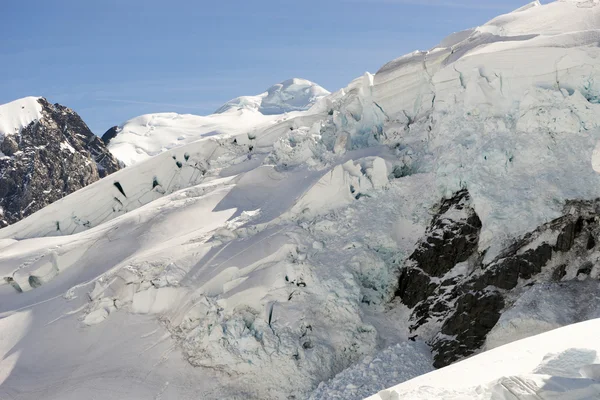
point(451, 238)
point(506, 272)
point(110, 134)
point(454, 293)
point(474, 317)
point(48, 160)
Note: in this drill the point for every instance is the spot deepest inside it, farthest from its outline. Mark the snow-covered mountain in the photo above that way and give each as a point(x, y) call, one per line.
point(291, 95)
point(148, 135)
point(444, 206)
point(46, 152)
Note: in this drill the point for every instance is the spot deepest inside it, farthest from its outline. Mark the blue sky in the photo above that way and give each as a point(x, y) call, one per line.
point(112, 60)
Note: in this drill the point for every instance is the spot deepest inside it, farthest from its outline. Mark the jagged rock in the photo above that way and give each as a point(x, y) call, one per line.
point(559, 273)
point(9, 146)
point(414, 286)
point(464, 307)
point(47, 160)
point(110, 134)
point(475, 315)
point(567, 236)
point(506, 272)
point(585, 269)
point(450, 239)
point(591, 242)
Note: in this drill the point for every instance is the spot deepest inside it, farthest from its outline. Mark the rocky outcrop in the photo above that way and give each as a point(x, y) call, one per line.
point(457, 299)
point(48, 159)
point(110, 134)
point(451, 238)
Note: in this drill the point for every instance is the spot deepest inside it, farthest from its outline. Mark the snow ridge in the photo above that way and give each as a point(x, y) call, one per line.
point(291, 95)
point(17, 114)
point(149, 135)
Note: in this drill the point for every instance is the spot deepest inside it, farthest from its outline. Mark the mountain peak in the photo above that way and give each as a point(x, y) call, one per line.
point(46, 153)
point(294, 94)
point(17, 114)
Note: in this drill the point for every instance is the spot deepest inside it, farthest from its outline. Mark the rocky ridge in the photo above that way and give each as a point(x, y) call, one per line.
point(47, 160)
point(457, 297)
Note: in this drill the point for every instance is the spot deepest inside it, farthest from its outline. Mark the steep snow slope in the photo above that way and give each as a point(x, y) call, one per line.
point(518, 90)
point(149, 135)
point(269, 256)
point(561, 364)
point(17, 114)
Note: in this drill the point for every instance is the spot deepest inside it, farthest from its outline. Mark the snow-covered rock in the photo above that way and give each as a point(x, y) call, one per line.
point(46, 153)
point(17, 114)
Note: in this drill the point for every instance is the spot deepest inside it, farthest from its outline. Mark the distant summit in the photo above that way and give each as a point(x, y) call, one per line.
point(149, 135)
point(292, 95)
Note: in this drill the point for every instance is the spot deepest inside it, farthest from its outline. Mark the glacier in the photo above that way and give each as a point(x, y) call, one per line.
point(148, 135)
point(253, 254)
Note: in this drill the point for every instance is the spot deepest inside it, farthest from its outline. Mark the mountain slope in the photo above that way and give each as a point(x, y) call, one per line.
point(46, 152)
point(149, 135)
point(561, 364)
point(435, 201)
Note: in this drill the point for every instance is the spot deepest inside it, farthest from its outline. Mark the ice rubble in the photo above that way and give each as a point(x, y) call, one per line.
point(264, 242)
point(397, 363)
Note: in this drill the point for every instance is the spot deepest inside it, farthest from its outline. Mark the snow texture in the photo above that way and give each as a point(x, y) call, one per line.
point(398, 363)
point(245, 255)
point(291, 95)
point(149, 135)
point(17, 114)
point(561, 364)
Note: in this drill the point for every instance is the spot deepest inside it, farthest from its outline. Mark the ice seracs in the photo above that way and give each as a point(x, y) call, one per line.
point(433, 201)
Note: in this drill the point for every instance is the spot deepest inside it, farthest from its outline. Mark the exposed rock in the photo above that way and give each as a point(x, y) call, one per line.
point(567, 236)
point(474, 317)
point(452, 292)
point(414, 286)
point(559, 273)
point(48, 160)
point(505, 272)
point(8, 146)
point(451, 238)
point(585, 269)
point(110, 134)
point(591, 242)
